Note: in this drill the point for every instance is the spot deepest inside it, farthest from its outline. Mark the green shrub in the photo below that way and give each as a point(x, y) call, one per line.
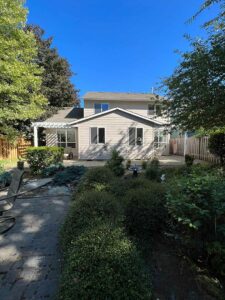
point(128, 164)
point(145, 212)
point(189, 160)
point(115, 164)
point(196, 204)
point(89, 208)
point(96, 179)
point(52, 169)
point(144, 164)
point(217, 145)
point(153, 173)
point(154, 162)
point(41, 157)
point(103, 264)
point(68, 175)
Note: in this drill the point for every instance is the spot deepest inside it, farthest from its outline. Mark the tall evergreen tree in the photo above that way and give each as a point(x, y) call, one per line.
point(20, 75)
point(56, 85)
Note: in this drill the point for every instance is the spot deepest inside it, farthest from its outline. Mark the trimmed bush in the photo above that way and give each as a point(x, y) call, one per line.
point(69, 174)
point(88, 208)
point(145, 212)
point(41, 157)
point(144, 164)
point(128, 164)
point(217, 145)
point(115, 164)
point(104, 264)
point(96, 179)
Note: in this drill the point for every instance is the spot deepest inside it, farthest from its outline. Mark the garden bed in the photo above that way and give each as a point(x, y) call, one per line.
point(144, 238)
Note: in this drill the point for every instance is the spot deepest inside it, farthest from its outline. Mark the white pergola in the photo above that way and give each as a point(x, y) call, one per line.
point(36, 125)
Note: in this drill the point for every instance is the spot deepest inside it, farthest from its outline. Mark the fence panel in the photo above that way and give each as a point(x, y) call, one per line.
point(198, 147)
point(13, 151)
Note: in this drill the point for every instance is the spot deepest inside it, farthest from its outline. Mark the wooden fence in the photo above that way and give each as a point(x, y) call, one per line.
point(13, 151)
point(198, 147)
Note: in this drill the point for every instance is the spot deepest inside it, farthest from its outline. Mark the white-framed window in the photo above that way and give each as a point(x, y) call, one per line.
point(66, 138)
point(154, 109)
point(160, 138)
point(97, 135)
point(135, 136)
point(100, 107)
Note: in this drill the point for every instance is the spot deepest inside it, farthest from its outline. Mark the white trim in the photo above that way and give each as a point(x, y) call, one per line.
point(51, 125)
point(90, 143)
point(115, 109)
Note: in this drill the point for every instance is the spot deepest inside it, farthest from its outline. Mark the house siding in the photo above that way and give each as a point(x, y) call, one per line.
point(138, 107)
point(116, 126)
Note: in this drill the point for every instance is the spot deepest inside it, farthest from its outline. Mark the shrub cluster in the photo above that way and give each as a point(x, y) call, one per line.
point(196, 203)
point(97, 178)
point(152, 170)
point(189, 160)
point(52, 170)
point(100, 262)
point(68, 175)
point(41, 157)
point(5, 177)
point(145, 212)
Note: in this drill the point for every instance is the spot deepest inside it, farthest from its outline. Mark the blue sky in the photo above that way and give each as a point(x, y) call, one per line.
point(118, 45)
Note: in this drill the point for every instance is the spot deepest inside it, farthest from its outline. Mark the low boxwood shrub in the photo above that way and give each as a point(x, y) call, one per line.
point(103, 264)
point(39, 158)
point(68, 175)
point(115, 164)
point(88, 208)
point(52, 170)
point(97, 178)
point(145, 212)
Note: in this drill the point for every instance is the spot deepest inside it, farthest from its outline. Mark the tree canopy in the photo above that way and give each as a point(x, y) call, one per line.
point(196, 89)
point(20, 76)
point(56, 84)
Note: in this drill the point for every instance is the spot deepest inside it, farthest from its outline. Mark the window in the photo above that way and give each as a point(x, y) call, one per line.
point(154, 109)
point(135, 136)
point(97, 135)
point(66, 138)
point(160, 138)
point(100, 107)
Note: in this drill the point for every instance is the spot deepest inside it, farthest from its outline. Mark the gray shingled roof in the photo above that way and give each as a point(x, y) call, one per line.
point(110, 96)
point(66, 115)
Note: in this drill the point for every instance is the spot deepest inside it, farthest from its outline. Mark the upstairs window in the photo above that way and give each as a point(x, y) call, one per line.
point(66, 138)
point(154, 109)
point(135, 136)
point(97, 135)
point(100, 107)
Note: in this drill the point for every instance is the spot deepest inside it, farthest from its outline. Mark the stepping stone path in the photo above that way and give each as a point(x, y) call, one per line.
point(29, 252)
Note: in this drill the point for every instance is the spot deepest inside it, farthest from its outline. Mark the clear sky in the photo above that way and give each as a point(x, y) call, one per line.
point(118, 45)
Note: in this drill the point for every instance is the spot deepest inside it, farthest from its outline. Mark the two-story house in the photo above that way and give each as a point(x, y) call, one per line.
point(127, 122)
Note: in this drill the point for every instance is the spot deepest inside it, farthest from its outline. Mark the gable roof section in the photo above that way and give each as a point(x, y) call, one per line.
point(113, 110)
point(113, 96)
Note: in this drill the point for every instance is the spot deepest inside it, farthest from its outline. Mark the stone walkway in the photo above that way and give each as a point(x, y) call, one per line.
point(29, 252)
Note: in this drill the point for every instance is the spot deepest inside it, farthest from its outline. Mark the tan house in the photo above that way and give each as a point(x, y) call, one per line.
point(127, 122)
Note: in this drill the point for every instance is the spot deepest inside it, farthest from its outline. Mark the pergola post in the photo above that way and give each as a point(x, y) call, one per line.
point(35, 136)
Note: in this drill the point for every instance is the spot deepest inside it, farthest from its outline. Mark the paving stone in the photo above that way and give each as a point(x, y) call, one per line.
point(29, 252)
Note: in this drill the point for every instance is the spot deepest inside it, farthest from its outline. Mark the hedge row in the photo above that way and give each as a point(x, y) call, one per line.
point(100, 262)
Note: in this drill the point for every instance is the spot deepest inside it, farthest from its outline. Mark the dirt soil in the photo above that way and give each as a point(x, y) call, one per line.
point(172, 276)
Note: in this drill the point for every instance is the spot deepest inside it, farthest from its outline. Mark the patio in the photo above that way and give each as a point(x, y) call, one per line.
point(29, 253)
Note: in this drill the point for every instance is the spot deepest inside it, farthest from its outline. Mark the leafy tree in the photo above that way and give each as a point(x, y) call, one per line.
point(56, 85)
point(197, 86)
point(20, 76)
